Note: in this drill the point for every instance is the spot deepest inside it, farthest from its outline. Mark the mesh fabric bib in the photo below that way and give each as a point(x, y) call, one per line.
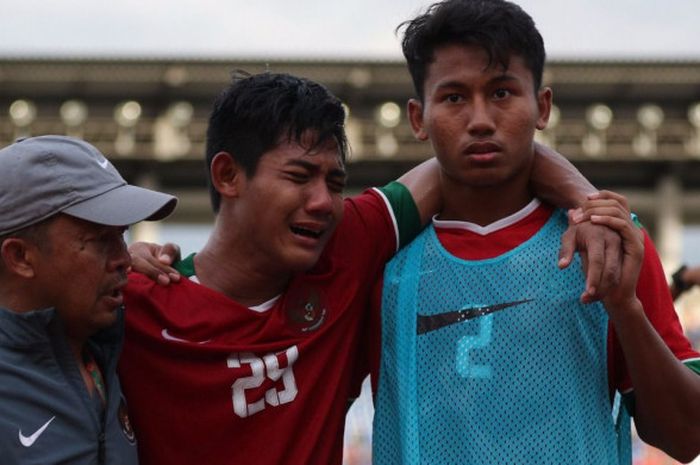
point(494, 361)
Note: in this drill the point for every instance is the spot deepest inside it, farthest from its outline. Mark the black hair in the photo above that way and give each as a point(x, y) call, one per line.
point(500, 27)
point(256, 113)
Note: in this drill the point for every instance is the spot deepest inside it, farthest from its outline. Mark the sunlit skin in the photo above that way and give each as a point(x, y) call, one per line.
point(81, 271)
point(480, 119)
point(280, 218)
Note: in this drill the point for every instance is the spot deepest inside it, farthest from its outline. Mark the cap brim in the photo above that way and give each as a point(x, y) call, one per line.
point(123, 206)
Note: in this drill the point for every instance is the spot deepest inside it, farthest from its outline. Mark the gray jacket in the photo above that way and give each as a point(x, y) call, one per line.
point(46, 414)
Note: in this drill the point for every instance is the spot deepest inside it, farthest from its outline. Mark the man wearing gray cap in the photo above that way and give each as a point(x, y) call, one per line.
point(63, 263)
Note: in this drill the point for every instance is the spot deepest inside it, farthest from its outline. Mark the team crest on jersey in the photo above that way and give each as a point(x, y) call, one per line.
point(306, 309)
point(123, 415)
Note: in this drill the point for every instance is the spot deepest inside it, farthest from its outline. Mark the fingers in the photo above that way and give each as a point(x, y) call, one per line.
point(601, 256)
point(612, 262)
point(568, 247)
point(632, 236)
point(169, 253)
point(603, 203)
point(594, 263)
point(606, 233)
point(610, 196)
point(149, 259)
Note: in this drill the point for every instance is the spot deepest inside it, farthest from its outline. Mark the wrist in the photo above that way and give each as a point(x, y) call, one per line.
point(678, 280)
point(624, 311)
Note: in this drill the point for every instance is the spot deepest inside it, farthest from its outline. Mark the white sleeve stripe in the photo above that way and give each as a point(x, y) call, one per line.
point(390, 209)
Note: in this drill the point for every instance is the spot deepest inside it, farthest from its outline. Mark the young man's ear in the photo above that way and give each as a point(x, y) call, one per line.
point(544, 107)
point(227, 175)
point(18, 257)
point(415, 117)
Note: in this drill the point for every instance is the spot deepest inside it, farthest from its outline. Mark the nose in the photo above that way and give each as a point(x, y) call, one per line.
point(319, 199)
point(119, 258)
point(480, 121)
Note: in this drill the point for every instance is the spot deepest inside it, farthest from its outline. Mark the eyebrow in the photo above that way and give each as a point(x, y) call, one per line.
point(335, 172)
point(505, 77)
point(457, 84)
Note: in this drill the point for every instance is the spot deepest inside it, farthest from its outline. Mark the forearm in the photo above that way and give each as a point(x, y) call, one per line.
point(667, 414)
point(555, 180)
point(423, 182)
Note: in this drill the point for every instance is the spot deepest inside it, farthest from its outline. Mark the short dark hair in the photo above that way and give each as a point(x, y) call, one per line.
point(500, 27)
point(255, 113)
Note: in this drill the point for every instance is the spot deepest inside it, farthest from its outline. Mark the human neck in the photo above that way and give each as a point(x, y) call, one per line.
point(227, 266)
point(20, 296)
point(482, 205)
point(78, 349)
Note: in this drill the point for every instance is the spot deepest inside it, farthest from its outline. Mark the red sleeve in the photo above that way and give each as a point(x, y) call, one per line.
point(366, 239)
point(368, 225)
point(653, 292)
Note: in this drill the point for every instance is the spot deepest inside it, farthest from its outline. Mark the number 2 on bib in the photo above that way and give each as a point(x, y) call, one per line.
point(465, 365)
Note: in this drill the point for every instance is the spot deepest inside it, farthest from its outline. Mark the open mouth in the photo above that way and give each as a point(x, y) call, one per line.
point(306, 232)
point(117, 292)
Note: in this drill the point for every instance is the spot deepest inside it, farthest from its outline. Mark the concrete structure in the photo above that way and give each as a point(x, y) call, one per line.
point(629, 126)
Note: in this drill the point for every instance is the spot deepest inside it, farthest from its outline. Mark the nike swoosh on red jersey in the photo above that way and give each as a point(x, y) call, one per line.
point(427, 323)
point(169, 337)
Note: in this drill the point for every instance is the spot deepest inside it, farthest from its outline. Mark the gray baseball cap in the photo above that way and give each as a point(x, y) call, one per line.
point(45, 175)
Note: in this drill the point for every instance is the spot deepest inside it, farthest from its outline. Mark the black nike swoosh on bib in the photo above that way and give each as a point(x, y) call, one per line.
point(427, 323)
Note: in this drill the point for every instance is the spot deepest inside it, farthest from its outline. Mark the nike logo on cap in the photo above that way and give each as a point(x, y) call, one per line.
point(28, 441)
point(427, 323)
point(104, 163)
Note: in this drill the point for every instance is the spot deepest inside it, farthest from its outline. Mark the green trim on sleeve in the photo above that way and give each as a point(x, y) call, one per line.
point(404, 210)
point(635, 220)
point(693, 365)
point(185, 266)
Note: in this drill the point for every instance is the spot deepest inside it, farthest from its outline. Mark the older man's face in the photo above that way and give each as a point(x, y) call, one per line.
point(81, 271)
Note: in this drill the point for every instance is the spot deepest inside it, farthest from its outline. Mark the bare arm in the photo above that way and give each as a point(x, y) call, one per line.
point(423, 182)
point(667, 413)
point(555, 180)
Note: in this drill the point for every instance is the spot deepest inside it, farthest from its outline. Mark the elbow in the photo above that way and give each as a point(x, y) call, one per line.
point(691, 451)
point(686, 456)
point(684, 447)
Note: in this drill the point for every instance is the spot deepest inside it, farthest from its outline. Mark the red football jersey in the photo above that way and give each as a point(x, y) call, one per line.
point(210, 382)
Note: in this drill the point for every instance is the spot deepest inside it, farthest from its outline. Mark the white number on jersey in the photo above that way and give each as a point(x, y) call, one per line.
point(266, 367)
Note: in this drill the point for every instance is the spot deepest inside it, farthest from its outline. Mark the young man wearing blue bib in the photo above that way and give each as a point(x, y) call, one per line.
point(488, 354)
